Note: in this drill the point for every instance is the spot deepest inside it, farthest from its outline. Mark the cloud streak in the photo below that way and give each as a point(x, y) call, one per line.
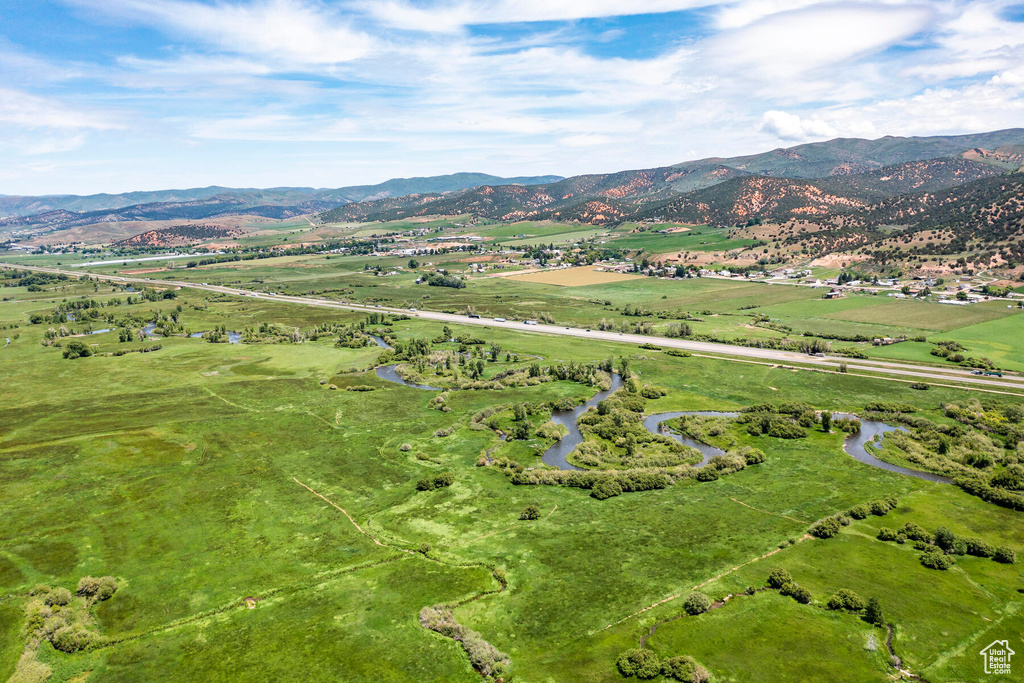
point(326, 92)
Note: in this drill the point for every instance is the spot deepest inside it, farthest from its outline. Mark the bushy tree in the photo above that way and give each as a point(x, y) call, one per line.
point(753, 456)
point(1005, 554)
point(97, 588)
point(886, 534)
point(521, 431)
point(798, 593)
point(58, 596)
point(944, 538)
point(640, 663)
point(76, 349)
point(779, 578)
point(530, 512)
point(72, 638)
point(425, 484)
point(707, 474)
point(873, 612)
point(847, 600)
point(934, 558)
point(979, 548)
point(859, 511)
point(684, 669)
point(826, 528)
point(826, 421)
point(915, 533)
point(696, 603)
point(605, 488)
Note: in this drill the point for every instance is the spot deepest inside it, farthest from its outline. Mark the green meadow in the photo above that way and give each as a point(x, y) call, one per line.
point(202, 474)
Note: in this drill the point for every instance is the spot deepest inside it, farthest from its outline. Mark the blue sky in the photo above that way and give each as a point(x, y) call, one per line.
point(116, 95)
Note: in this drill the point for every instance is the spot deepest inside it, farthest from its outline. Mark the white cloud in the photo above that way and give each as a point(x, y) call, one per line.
point(453, 16)
point(586, 140)
point(31, 125)
point(789, 43)
point(746, 12)
point(292, 31)
point(791, 127)
point(22, 109)
point(333, 80)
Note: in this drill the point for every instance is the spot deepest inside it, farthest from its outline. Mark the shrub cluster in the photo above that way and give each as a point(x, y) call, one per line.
point(484, 657)
point(884, 407)
point(51, 614)
point(685, 668)
point(144, 349)
point(57, 597)
point(940, 547)
point(76, 349)
point(798, 593)
point(645, 664)
point(981, 486)
point(696, 603)
point(934, 558)
point(845, 599)
point(775, 426)
point(880, 507)
point(530, 512)
point(98, 589)
point(915, 532)
point(828, 527)
point(440, 481)
point(781, 580)
point(652, 392)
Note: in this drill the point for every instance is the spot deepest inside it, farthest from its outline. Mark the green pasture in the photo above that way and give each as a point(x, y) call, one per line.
point(702, 238)
point(175, 471)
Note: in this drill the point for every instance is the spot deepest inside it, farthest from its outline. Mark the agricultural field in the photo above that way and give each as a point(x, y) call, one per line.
point(575, 277)
point(694, 238)
point(275, 504)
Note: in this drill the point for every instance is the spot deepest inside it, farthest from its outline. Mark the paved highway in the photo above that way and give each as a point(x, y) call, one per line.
point(889, 369)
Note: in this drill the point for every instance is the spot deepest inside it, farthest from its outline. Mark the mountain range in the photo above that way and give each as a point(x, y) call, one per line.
point(804, 181)
point(840, 185)
point(203, 200)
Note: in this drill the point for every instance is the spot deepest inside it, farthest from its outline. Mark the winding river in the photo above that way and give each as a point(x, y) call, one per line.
point(557, 454)
point(653, 424)
point(390, 372)
point(855, 445)
point(233, 337)
point(872, 432)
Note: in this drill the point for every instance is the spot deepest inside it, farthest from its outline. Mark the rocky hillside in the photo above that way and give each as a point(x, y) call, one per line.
point(734, 198)
point(178, 236)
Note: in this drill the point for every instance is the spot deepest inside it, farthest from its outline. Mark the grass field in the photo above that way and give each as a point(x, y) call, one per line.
point(575, 277)
point(175, 471)
point(702, 238)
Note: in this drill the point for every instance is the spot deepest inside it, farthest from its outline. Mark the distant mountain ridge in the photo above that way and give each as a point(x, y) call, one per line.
point(845, 171)
point(21, 206)
point(837, 183)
